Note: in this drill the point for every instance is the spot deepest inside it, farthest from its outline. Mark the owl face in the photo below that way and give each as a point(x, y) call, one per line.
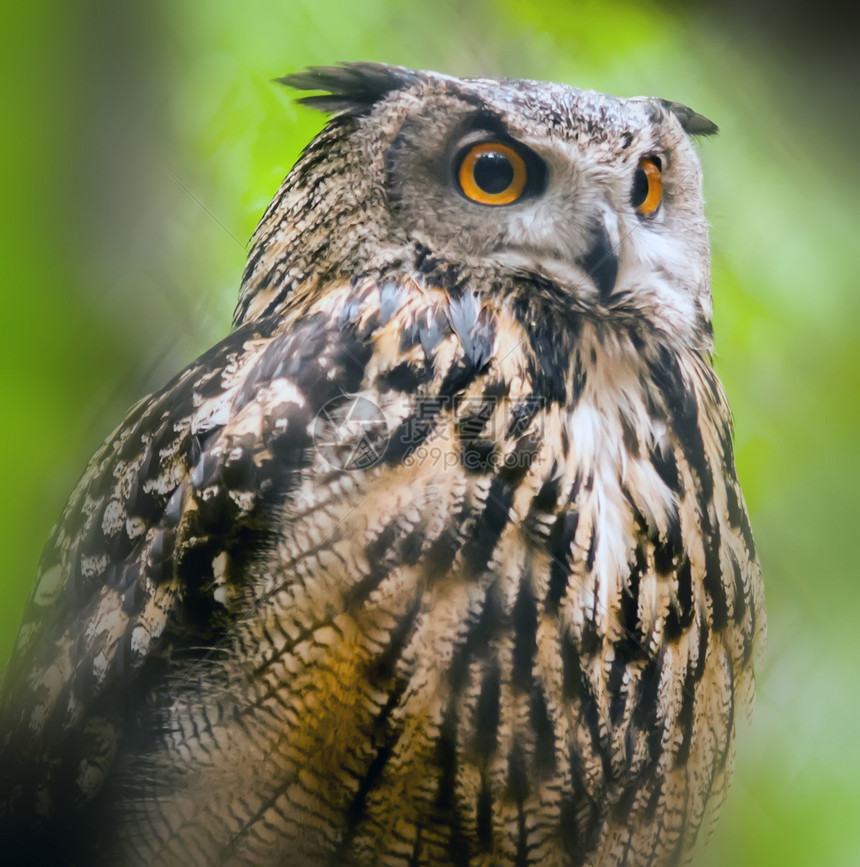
point(597, 196)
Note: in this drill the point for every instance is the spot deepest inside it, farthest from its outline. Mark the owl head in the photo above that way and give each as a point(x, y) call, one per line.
point(515, 186)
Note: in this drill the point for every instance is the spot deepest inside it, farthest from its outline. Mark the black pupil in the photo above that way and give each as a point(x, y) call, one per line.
point(493, 173)
point(640, 188)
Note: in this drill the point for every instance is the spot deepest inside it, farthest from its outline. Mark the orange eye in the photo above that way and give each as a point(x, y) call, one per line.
point(647, 192)
point(492, 173)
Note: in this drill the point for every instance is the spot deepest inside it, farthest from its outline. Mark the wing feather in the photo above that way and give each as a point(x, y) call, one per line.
point(148, 558)
point(128, 570)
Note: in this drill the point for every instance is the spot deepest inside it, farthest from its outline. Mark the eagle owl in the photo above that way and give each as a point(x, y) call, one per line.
point(440, 557)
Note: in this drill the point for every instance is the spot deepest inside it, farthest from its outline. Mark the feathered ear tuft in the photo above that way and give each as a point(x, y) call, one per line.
point(351, 89)
point(693, 123)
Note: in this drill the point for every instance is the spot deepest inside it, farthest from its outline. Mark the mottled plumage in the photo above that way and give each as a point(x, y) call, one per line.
point(440, 556)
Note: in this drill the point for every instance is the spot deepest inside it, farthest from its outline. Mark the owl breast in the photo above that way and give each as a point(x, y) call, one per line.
point(484, 630)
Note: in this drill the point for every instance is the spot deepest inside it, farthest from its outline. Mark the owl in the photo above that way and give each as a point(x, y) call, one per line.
point(440, 556)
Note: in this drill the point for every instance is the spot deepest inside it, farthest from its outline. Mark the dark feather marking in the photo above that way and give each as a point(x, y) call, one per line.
point(479, 457)
point(479, 548)
point(442, 551)
point(685, 593)
point(685, 717)
point(439, 271)
point(636, 339)
point(577, 688)
point(738, 517)
point(565, 448)
point(517, 464)
point(663, 460)
point(628, 435)
point(381, 556)
point(544, 504)
point(629, 614)
point(481, 631)
point(408, 436)
point(733, 506)
point(518, 785)
point(725, 434)
point(587, 811)
point(459, 377)
point(674, 540)
point(487, 714)
point(559, 547)
point(739, 601)
point(549, 360)
point(669, 549)
point(632, 646)
point(410, 545)
point(544, 733)
point(573, 685)
point(645, 709)
point(415, 857)
point(350, 310)
point(525, 634)
point(580, 379)
point(403, 377)
point(591, 639)
point(680, 614)
point(702, 649)
point(615, 684)
point(446, 805)
point(478, 454)
point(592, 550)
point(684, 417)
point(253, 260)
point(746, 530)
point(485, 812)
point(571, 840)
point(713, 581)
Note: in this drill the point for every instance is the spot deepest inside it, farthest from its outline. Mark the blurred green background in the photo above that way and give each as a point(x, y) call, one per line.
point(142, 141)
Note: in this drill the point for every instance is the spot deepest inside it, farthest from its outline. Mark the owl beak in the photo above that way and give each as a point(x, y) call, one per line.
point(600, 261)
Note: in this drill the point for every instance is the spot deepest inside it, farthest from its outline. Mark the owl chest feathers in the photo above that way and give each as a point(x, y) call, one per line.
point(575, 420)
point(515, 600)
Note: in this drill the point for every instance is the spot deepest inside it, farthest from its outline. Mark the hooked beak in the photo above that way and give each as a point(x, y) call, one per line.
point(600, 261)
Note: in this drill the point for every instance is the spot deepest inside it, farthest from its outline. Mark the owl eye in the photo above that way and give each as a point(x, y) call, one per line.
point(492, 173)
point(647, 192)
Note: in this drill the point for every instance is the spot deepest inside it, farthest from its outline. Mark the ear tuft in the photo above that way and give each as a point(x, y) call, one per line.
point(692, 122)
point(351, 89)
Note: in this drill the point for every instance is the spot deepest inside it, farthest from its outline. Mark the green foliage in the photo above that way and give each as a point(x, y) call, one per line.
point(144, 144)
